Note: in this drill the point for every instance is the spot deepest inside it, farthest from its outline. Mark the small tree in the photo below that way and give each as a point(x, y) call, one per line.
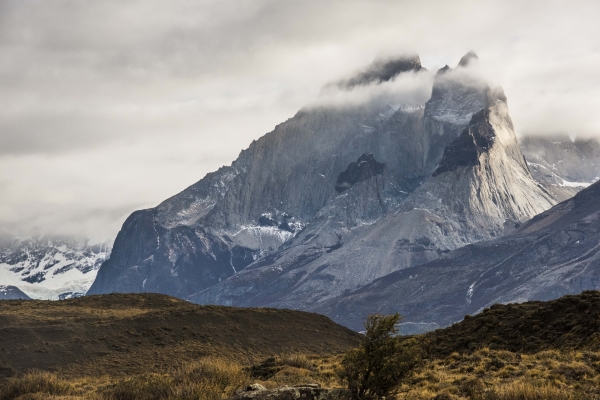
point(380, 363)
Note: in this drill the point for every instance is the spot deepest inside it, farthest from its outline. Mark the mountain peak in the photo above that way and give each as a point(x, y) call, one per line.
point(382, 70)
point(468, 59)
point(444, 69)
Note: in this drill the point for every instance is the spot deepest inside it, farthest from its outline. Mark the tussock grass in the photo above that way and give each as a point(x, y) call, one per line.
point(488, 374)
point(35, 382)
point(206, 379)
point(484, 374)
point(527, 391)
point(295, 360)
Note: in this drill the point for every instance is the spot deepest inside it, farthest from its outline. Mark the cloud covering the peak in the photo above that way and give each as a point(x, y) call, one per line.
point(110, 106)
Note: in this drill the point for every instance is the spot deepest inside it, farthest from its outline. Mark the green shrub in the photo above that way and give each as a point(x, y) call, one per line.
point(381, 362)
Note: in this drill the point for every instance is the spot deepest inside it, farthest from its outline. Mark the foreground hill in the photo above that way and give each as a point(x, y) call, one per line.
point(569, 323)
point(132, 333)
point(530, 351)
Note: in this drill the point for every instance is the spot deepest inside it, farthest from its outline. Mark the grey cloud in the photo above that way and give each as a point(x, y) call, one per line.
point(135, 100)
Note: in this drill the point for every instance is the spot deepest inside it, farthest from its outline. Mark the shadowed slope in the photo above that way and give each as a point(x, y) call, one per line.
point(132, 333)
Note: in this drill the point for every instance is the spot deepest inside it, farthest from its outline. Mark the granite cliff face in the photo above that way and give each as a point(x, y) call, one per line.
point(245, 211)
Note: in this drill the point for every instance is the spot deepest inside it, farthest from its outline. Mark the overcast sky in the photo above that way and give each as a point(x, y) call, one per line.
point(114, 105)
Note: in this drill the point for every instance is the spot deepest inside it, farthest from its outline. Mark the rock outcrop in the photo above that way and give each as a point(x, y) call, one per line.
point(308, 392)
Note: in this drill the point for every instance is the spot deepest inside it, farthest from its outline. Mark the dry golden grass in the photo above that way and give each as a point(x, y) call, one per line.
point(481, 375)
point(503, 375)
point(127, 334)
point(206, 379)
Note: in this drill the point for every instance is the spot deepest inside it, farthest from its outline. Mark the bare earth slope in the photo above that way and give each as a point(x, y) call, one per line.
point(133, 333)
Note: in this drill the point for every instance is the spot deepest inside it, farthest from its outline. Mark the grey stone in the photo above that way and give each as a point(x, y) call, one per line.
point(255, 386)
point(308, 392)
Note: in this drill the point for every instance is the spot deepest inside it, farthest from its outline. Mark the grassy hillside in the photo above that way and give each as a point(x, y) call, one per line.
point(121, 334)
point(136, 347)
point(569, 323)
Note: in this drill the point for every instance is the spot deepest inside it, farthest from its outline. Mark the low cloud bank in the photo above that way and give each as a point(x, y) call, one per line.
point(115, 106)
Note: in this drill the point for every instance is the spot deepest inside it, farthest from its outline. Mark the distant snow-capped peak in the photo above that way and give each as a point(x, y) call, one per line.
point(51, 267)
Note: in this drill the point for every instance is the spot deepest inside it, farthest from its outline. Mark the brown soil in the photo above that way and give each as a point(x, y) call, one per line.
point(121, 334)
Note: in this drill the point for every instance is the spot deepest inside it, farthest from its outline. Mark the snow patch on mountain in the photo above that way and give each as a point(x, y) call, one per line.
point(51, 268)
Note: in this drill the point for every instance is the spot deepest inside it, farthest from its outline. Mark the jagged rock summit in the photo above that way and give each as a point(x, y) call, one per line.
point(468, 59)
point(382, 70)
point(337, 196)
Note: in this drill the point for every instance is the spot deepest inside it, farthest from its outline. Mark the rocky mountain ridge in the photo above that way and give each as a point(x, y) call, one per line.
point(217, 227)
point(563, 165)
point(338, 196)
point(50, 267)
point(12, 293)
